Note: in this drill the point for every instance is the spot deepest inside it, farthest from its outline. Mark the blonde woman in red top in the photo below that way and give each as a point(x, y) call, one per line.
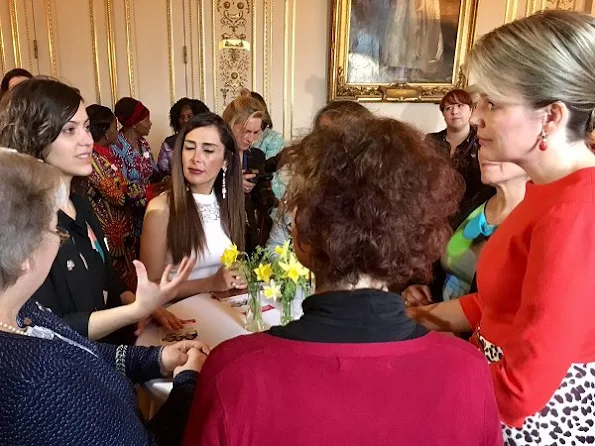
point(533, 314)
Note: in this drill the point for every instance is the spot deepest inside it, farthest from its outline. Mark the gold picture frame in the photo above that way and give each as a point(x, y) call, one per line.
point(362, 49)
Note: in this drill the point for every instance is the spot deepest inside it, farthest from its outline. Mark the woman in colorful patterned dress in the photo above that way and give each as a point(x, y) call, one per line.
point(111, 195)
point(533, 312)
point(134, 158)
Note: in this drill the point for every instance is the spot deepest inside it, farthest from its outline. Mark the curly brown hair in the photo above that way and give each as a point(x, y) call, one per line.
point(33, 113)
point(372, 199)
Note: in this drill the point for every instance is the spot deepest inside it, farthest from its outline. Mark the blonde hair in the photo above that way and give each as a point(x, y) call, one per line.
point(545, 58)
point(30, 191)
point(243, 108)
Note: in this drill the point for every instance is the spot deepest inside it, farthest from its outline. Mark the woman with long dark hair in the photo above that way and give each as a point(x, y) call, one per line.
point(203, 212)
point(48, 120)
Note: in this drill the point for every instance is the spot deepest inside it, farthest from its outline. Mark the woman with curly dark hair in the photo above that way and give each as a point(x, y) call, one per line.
point(179, 114)
point(371, 203)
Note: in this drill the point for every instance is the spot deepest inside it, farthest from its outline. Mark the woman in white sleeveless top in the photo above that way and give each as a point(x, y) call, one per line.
point(202, 213)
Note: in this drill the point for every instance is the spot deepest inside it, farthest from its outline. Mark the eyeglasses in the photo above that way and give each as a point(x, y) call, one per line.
point(62, 234)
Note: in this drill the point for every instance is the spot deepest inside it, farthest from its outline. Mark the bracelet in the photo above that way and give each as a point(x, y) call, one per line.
point(121, 351)
point(162, 370)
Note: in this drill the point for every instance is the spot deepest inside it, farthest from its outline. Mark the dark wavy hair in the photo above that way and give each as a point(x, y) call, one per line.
point(175, 111)
point(33, 114)
point(373, 199)
point(15, 72)
point(100, 119)
point(185, 232)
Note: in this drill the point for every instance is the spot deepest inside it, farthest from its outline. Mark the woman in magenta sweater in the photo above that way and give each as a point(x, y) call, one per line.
point(533, 314)
point(371, 204)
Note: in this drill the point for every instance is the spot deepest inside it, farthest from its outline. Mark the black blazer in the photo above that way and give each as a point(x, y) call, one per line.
point(259, 202)
point(439, 276)
point(80, 280)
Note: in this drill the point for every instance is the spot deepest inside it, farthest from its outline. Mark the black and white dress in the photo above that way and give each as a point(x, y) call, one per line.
point(569, 416)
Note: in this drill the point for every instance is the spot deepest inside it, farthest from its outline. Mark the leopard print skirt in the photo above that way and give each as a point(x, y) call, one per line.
point(567, 419)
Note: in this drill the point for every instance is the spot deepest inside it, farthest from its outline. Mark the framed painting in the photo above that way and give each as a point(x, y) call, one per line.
point(399, 50)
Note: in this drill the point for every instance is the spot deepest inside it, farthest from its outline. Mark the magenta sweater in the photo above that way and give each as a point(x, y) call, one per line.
point(265, 390)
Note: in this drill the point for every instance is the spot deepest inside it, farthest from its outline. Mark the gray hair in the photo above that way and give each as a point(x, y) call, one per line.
point(545, 58)
point(29, 194)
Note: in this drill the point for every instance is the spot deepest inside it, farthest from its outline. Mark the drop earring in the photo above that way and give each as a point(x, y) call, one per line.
point(223, 185)
point(543, 142)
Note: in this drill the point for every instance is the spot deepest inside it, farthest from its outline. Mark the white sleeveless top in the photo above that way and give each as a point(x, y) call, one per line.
point(217, 241)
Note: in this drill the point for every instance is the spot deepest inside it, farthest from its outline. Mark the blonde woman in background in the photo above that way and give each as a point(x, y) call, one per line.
point(532, 315)
point(245, 116)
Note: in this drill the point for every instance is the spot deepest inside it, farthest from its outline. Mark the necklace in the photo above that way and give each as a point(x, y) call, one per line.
point(13, 329)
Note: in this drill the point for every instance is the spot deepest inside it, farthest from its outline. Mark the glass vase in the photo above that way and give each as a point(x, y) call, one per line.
point(254, 320)
point(287, 313)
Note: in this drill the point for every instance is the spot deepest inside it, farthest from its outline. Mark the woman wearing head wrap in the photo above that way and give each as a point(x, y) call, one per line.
point(133, 156)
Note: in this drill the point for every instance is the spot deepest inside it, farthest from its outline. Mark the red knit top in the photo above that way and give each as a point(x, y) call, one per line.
point(536, 277)
point(265, 390)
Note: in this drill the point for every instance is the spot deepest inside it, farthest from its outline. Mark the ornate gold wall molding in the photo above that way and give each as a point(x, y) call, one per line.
point(534, 6)
point(267, 51)
point(28, 34)
point(569, 5)
point(94, 51)
point(14, 25)
point(289, 67)
point(170, 51)
point(253, 45)
point(2, 50)
point(49, 16)
point(201, 49)
point(231, 61)
point(190, 36)
point(111, 51)
point(510, 11)
point(129, 50)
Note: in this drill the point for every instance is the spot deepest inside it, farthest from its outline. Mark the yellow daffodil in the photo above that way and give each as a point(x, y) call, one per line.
point(230, 256)
point(294, 269)
point(282, 251)
point(272, 291)
point(264, 273)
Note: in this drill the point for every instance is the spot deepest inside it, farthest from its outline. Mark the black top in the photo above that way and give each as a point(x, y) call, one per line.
point(259, 202)
point(464, 161)
point(82, 280)
point(359, 316)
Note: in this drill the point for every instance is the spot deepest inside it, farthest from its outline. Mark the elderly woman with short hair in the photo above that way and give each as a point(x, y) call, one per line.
point(57, 387)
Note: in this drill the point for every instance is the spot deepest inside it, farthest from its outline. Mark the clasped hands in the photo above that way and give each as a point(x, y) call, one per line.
point(182, 356)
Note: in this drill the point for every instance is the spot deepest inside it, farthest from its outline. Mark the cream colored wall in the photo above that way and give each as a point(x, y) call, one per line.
point(114, 48)
point(312, 55)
